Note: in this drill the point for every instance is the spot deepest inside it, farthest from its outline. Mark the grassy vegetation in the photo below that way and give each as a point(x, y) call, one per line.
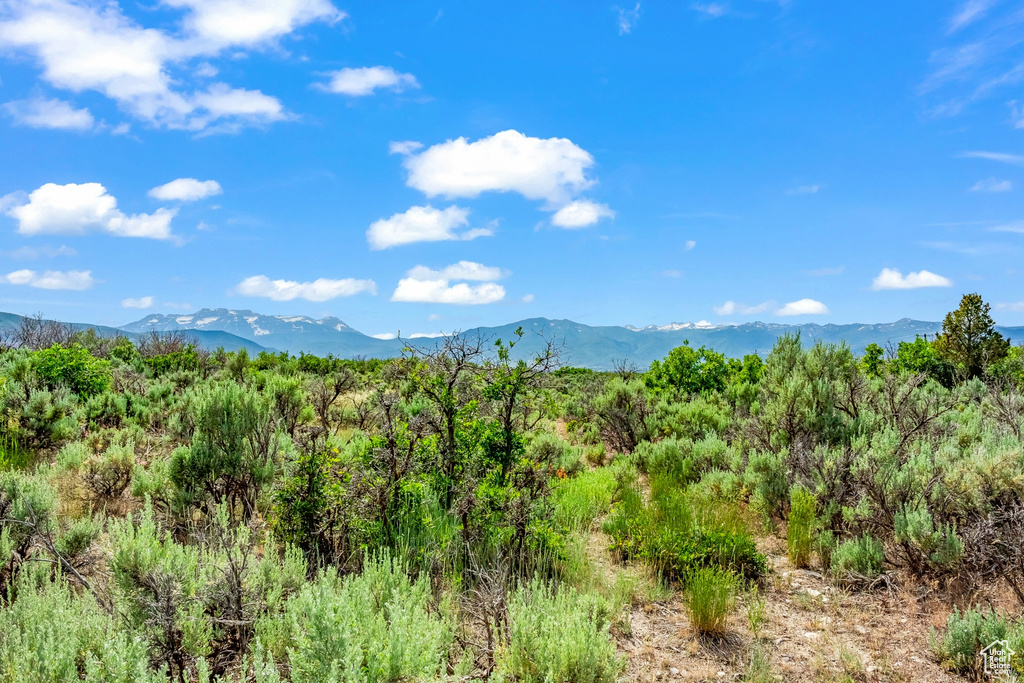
point(457, 514)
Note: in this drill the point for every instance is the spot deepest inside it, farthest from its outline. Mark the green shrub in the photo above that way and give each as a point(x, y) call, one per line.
point(800, 533)
point(863, 556)
point(51, 633)
point(74, 368)
point(377, 626)
point(73, 455)
point(710, 598)
point(109, 474)
point(558, 636)
point(12, 455)
point(967, 633)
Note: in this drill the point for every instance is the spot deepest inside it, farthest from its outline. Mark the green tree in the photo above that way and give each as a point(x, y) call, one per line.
point(689, 371)
point(969, 341)
point(873, 361)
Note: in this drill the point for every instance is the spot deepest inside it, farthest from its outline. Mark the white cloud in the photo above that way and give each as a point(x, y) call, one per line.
point(404, 147)
point(422, 224)
point(580, 214)
point(992, 185)
point(384, 335)
point(424, 285)
point(969, 12)
point(216, 24)
point(318, 290)
point(711, 9)
point(76, 280)
point(690, 244)
point(365, 80)
point(186, 190)
point(1001, 157)
point(94, 46)
point(1013, 307)
point(1012, 226)
point(141, 302)
point(803, 307)
point(552, 169)
point(627, 19)
point(671, 272)
point(463, 270)
point(78, 208)
point(44, 251)
point(40, 112)
point(733, 308)
point(890, 278)
point(528, 298)
point(805, 189)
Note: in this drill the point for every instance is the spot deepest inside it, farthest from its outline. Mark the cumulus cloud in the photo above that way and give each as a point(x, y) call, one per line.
point(992, 185)
point(41, 112)
point(362, 81)
point(76, 280)
point(423, 224)
point(690, 244)
point(890, 278)
point(322, 289)
point(287, 290)
point(463, 270)
point(580, 214)
point(552, 169)
point(186, 190)
point(141, 302)
point(218, 24)
point(94, 46)
point(79, 208)
point(803, 307)
point(425, 285)
point(733, 308)
point(384, 335)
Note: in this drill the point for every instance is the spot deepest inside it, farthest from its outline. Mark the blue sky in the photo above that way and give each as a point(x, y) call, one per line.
point(430, 167)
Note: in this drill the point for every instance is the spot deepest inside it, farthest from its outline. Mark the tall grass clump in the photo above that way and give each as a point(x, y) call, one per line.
point(861, 557)
point(374, 627)
point(710, 598)
point(800, 533)
point(582, 499)
point(558, 635)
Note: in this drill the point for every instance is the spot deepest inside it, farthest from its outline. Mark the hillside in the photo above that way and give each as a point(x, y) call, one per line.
point(598, 347)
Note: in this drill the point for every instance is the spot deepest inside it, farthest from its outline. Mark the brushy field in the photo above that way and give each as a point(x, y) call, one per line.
point(172, 514)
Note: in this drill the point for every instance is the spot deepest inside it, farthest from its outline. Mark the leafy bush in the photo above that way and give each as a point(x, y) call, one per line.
point(558, 636)
point(863, 556)
point(800, 533)
point(74, 368)
point(710, 598)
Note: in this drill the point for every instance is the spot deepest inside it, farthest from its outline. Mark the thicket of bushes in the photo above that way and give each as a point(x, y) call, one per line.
point(210, 515)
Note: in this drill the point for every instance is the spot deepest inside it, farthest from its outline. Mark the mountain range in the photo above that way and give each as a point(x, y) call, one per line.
point(597, 347)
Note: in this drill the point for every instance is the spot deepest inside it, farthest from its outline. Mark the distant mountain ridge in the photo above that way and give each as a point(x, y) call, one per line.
point(597, 347)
